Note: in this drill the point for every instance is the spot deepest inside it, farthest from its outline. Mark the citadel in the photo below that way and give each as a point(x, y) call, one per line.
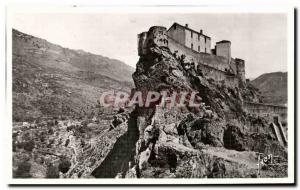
point(193, 48)
point(214, 63)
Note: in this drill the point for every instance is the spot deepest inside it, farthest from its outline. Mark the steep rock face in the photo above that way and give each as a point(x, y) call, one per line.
point(172, 141)
point(234, 138)
point(108, 154)
point(160, 70)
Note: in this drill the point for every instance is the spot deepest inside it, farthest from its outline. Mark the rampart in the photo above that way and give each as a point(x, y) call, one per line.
point(212, 66)
point(266, 109)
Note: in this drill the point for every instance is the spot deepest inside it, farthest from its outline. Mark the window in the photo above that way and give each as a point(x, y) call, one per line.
point(199, 48)
point(191, 34)
point(174, 27)
point(198, 37)
point(192, 45)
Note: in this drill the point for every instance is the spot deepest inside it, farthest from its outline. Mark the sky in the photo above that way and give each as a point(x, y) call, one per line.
point(260, 39)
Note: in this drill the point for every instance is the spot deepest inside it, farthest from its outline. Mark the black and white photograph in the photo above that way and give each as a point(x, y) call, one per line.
point(150, 95)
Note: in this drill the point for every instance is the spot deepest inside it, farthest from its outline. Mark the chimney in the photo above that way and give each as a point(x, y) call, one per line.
point(186, 25)
point(201, 31)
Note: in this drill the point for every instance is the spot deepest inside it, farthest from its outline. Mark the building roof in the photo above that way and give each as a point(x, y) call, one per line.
point(223, 41)
point(175, 23)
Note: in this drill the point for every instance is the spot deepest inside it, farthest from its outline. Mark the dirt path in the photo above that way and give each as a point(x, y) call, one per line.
point(245, 157)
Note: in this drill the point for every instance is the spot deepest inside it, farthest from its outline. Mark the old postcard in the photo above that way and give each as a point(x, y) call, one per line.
point(150, 95)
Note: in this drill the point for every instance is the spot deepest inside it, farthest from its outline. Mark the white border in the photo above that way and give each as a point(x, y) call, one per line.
point(155, 9)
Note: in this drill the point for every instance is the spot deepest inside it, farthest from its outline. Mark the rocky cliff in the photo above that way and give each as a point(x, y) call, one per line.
point(214, 140)
point(210, 141)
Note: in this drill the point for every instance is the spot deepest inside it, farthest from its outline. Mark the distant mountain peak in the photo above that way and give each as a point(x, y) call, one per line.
point(106, 66)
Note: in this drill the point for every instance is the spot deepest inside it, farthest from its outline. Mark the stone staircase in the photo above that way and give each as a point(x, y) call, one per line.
point(279, 132)
point(284, 138)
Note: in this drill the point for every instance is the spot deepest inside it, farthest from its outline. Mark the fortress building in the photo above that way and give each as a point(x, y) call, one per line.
point(216, 64)
point(190, 38)
point(194, 49)
point(223, 48)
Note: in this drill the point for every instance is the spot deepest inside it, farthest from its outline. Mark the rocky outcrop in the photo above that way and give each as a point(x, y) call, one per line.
point(171, 141)
point(213, 140)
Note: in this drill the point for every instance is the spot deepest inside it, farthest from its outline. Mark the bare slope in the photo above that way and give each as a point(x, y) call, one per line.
point(273, 87)
point(49, 80)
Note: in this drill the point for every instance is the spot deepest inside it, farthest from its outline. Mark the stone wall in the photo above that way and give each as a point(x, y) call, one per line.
point(240, 69)
point(198, 41)
point(217, 62)
point(190, 38)
point(208, 45)
point(219, 76)
point(266, 110)
point(233, 66)
point(212, 66)
point(177, 33)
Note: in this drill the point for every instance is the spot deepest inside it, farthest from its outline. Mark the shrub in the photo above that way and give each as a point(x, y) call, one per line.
point(50, 131)
point(64, 166)
point(67, 142)
point(52, 172)
point(29, 145)
point(23, 170)
point(14, 147)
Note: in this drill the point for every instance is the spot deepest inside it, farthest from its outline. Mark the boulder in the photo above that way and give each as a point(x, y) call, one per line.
point(234, 138)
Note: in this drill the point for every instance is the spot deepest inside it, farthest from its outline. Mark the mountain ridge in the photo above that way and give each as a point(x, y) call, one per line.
point(51, 80)
point(273, 87)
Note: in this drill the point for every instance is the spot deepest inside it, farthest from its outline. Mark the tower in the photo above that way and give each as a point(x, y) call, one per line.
point(240, 69)
point(156, 36)
point(223, 48)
